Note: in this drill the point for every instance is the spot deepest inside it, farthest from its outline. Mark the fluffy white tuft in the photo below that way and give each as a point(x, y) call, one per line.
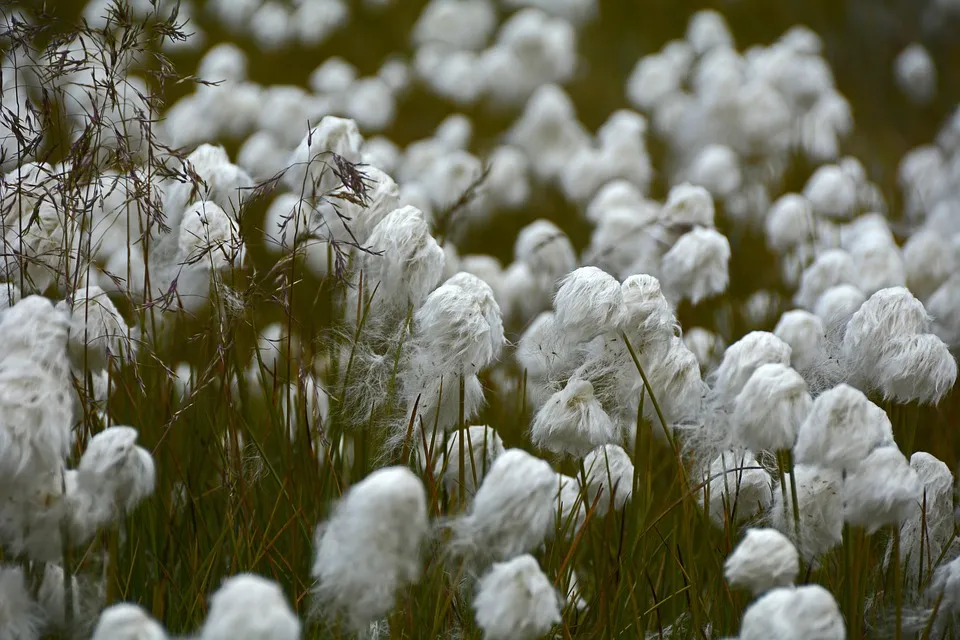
point(764, 559)
point(248, 606)
point(516, 601)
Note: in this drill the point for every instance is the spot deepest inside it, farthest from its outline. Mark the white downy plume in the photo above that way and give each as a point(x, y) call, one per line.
point(806, 334)
point(513, 510)
point(836, 306)
point(887, 314)
point(820, 501)
point(609, 478)
point(770, 409)
point(406, 265)
point(928, 260)
point(882, 491)
point(516, 601)
point(928, 529)
point(20, 618)
point(738, 487)
point(916, 368)
point(115, 469)
point(589, 302)
point(459, 329)
point(916, 74)
point(543, 350)
point(250, 607)
point(9, 295)
point(716, 168)
point(764, 559)
point(841, 430)
point(674, 376)
point(97, 330)
point(744, 357)
point(809, 612)
point(208, 237)
point(370, 546)
point(687, 205)
point(707, 346)
point(831, 268)
point(572, 421)
point(649, 321)
point(481, 447)
point(569, 505)
point(832, 192)
point(696, 267)
point(789, 223)
point(311, 164)
point(126, 621)
point(707, 29)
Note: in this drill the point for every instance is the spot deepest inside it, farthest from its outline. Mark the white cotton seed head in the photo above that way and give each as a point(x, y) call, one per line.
point(20, 618)
point(609, 478)
point(830, 269)
point(124, 472)
point(841, 430)
point(572, 421)
point(674, 375)
point(764, 559)
point(654, 78)
point(882, 491)
point(546, 249)
point(370, 546)
point(717, 169)
point(736, 488)
point(836, 306)
point(688, 205)
point(916, 74)
point(820, 502)
point(649, 321)
point(333, 75)
point(542, 348)
point(569, 505)
point(770, 408)
point(516, 601)
point(743, 357)
point(832, 192)
point(928, 528)
point(613, 195)
point(706, 30)
point(508, 180)
point(789, 223)
point(588, 302)
point(806, 334)
point(481, 446)
point(127, 622)
point(513, 510)
point(311, 163)
point(461, 25)
point(209, 237)
point(459, 328)
point(917, 368)
point(98, 332)
point(887, 314)
point(809, 612)
point(407, 264)
point(707, 346)
point(928, 259)
point(697, 266)
point(248, 606)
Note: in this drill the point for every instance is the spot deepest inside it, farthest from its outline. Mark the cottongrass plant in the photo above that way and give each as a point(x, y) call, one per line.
point(294, 316)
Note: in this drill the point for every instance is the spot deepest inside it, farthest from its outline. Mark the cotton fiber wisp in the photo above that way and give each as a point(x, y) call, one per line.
point(916, 368)
point(127, 622)
point(370, 547)
point(764, 559)
point(928, 528)
point(516, 601)
point(512, 511)
point(770, 409)
point(20, 617)
point(114, 469)
point(248, 606)
point(609, 478)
